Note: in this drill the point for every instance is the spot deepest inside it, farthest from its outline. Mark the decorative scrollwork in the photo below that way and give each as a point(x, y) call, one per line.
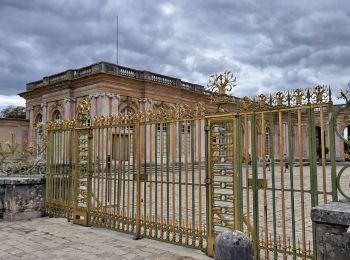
point(60, 125)
point(339, 181)
point(180, 112)
point(261, 101)
point(320, 93)
point(245, 104)
point(298, 96)
point(220, 84)
point(280, 98)
point(83, 110)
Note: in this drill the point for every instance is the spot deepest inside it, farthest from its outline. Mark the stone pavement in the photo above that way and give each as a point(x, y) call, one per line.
point(55, 238)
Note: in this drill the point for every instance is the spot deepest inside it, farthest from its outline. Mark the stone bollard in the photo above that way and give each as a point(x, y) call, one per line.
point(233, 245)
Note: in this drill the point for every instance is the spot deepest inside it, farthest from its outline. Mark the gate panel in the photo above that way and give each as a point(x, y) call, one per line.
point(115, 171)
point(60, 166)
point(173, 186)
point(141, 173)
point(282, 168)
point(224, 212)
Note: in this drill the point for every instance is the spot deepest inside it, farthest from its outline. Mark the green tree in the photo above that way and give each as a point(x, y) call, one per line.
point(13, 112)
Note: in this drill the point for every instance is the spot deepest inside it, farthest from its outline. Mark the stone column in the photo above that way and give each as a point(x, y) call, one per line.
point(145, 104)
point(69, 105)
point(104, 103)
point(27, 113)
point(44, 111)
point(93, 101)
point(31, 123)
point(115, 104)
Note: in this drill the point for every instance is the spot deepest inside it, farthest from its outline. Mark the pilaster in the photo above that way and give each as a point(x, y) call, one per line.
point(69, 105)
point(31, 123)
point(145, 104)
point(43, 106)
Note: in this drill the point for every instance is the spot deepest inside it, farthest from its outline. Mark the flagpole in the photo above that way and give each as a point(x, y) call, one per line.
point(117, 51)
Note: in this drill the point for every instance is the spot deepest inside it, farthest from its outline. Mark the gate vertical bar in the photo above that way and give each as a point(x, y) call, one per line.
point(313, 169)
point(255, 186)
point(272, 166)
point(332, 125)
point(138, 184)
point(239, 151)
point(210, 238)
point(291, 175)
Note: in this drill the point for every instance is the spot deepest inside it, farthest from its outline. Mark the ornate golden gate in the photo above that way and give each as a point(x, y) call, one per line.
point(141, 173)
point(181, 175)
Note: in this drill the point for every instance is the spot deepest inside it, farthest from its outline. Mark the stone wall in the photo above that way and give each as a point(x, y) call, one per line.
point(332, 230)
point(22, 198)
point(19, 127)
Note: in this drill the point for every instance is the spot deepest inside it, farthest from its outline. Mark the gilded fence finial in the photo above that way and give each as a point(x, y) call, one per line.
point(299, 96)
point(320, 93)
point(83, 110)
point(220, 84)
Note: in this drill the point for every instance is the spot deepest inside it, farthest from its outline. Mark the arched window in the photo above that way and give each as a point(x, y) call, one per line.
point(127, 110)
point(39, 119)
point(57, 115)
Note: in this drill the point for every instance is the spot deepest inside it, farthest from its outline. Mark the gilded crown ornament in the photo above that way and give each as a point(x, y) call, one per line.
point(280, 97)
point(83, 110)
point(298, 95)
point(320, 93)
point(262, 101)
point(219, 85)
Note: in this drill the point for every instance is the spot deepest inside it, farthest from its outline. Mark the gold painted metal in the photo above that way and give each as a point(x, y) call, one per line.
point(199, 122)
point(185, 124)
point(323, 156)
point(266, 229)
point(302, 197)
point(173, 141)
point(114, 135)
point(220, 84)
point(246, 162)
point(138, 184)
point(281, 157)
point(151, 147)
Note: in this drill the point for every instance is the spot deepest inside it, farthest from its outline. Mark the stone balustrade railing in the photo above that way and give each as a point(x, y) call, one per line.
point(109, 68)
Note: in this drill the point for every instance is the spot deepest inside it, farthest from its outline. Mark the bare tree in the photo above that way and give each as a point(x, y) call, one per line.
point(13, 112)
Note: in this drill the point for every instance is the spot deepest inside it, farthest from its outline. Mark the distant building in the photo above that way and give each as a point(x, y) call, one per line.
point(111, 89)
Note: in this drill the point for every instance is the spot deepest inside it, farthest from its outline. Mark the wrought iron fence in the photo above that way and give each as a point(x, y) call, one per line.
point(181, 175)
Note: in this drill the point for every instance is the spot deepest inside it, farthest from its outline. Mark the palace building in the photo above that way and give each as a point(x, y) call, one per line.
point(113, 89)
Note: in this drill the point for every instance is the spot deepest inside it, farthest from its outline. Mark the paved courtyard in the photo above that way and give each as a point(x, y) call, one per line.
point(55, 238)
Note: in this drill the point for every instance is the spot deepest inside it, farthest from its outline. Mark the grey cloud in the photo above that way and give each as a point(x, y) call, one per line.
point(277, 44)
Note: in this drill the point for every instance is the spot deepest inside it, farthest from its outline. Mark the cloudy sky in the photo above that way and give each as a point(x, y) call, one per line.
point(269, 45)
